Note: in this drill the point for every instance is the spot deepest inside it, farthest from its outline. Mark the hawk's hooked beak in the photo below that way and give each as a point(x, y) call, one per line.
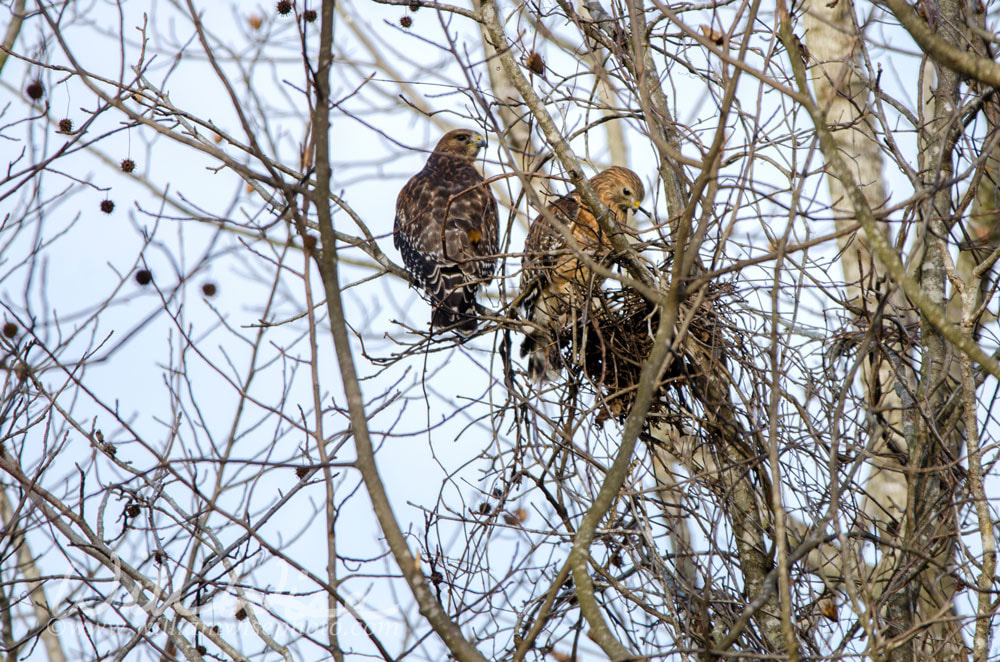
point(480, 141)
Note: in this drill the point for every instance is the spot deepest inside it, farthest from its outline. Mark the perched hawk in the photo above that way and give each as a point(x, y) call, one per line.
point(446, 230)
point(556, 283)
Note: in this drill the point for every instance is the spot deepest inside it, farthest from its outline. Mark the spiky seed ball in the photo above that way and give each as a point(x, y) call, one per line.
point(143, 277)
point(10, 330)
point(132, 511)
point(21, 371)
point(405, 21)
point(309, 241)
point(202, 650)
point(309, 15)
point(284, 7)
point(414, 6)
point(301, 472)
point(107, 206)
point(65, 125)
point(484, 508)
point(35, 90)
point(209, 289)
point(128, 165)
point(255, 22)
point(241, 614)
point(158, 557)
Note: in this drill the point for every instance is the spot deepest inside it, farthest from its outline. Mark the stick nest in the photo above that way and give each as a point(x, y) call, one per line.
point(608, 348)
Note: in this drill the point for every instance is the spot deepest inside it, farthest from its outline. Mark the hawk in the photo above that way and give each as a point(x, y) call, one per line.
point(556, 283)
point(446, 230)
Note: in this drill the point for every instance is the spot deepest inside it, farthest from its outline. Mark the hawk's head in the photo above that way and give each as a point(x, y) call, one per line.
point(461, 142)
point(619, 188)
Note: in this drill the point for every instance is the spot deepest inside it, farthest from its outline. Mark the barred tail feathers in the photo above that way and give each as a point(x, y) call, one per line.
point(540, 347)
point(453, 303)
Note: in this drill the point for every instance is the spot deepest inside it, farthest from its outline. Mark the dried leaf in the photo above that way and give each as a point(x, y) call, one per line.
point(535, 63)
point(828, 607)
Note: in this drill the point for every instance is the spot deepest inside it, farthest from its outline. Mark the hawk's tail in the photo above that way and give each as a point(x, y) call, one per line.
point(537, 345)
point(454, 304)
point(544, 361)
point(542, 350)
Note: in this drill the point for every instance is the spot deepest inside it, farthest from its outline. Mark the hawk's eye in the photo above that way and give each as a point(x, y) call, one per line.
point(462, 137)
point(627, 192)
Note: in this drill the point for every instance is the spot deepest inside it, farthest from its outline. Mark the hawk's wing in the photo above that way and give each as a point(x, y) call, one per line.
point(545, 265)
point(545, 248)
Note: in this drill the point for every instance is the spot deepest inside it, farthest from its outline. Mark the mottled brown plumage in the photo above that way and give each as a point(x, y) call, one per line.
point(446, 229)
point(557, 284)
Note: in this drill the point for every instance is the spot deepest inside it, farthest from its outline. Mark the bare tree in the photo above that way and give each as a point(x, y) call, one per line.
point(229, 432)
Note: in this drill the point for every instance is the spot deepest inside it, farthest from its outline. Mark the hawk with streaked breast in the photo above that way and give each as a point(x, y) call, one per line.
point(446, 229)
point(558, 286)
